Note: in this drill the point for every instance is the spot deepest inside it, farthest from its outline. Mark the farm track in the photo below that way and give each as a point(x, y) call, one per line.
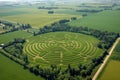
point(105, 61)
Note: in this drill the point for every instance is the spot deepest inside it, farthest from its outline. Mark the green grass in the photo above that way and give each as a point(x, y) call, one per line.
point(111, 71)
point(9, 70)
point(61, 48)
point(117, 49)
point(106, 20)
point(11, 13)
point(5, 38)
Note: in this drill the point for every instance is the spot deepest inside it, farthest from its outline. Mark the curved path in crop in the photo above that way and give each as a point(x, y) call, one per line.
point(106, 59)
point(62, 48)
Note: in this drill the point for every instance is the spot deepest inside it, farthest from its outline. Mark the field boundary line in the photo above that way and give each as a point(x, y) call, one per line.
point(106, 59)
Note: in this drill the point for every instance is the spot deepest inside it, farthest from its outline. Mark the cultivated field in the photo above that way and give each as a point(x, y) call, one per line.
point(38, 20)
point(10, 69)
point(62, 48)
point(34, 16)
point(111, 72)
point(106, 20)
point(59, 55)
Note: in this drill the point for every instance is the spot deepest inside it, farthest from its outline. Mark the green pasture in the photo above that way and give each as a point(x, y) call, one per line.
point(10, 11)
point(5, 38)
point(9, 70)
point(106, 20)
point(61, 48)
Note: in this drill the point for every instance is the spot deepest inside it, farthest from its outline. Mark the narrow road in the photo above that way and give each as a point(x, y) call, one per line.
point(105, 61)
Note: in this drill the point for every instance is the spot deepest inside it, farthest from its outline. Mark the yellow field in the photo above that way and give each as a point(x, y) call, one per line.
point(37, 18)
point(112, 71)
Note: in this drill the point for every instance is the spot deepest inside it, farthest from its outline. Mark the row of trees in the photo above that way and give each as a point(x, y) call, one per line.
point(87, 10)
point(11, 27)
point(50, 12)
point(43, 7)
point(15, 49)
point(16, 40)
point(106, 38)
point(6, 23)
point(53, 72)
point(70, 73)
point(24, 26)
point(106, 7)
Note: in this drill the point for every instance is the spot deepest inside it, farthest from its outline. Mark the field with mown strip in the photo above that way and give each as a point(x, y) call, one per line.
point(9, 70)
point(62, 48)
point(106, 20)
point(5, 38)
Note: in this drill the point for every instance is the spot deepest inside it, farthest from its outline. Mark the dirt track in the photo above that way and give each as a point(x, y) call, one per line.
point(105, 61)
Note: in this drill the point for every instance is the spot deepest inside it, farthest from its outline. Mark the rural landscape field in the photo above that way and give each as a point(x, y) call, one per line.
point(59, 39)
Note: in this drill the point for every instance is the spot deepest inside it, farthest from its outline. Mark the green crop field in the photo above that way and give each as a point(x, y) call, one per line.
point(106, 20)
point(10, 70)
point(9, 11)
point(62, 48)
point(5, 38)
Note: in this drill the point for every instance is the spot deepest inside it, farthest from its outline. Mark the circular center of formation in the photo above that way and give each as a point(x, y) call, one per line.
point(61, 48)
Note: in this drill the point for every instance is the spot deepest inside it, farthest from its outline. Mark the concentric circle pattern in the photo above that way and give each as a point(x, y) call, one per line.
point(61, 48)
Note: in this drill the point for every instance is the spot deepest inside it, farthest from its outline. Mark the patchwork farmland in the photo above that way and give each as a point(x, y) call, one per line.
point(58, 40)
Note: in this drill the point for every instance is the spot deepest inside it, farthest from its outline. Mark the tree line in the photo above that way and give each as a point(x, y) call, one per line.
point(87, 10)
point(106, 38)
point(11, 27)
point(43, 7)
point(55, 72)
point(14, 50)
